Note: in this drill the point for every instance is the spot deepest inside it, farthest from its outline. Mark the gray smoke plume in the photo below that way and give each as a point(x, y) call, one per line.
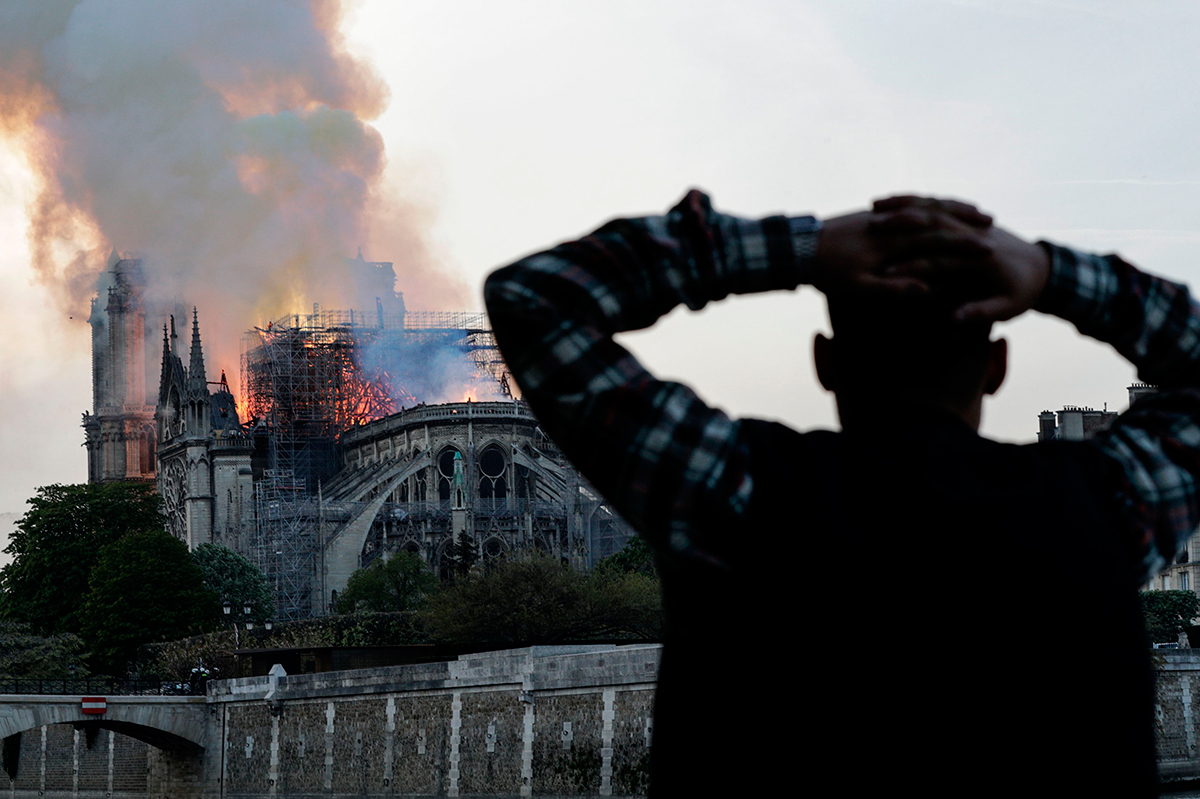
point(225, 142)
point(428, 371)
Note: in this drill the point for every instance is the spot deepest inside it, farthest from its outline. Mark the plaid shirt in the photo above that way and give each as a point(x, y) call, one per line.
point(676, 468)
point(1155, 445)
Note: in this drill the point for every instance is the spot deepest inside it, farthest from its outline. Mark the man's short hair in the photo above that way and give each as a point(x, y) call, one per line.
point(908, 343)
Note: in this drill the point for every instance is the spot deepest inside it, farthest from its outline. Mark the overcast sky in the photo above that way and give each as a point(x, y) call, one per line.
point(514, 125)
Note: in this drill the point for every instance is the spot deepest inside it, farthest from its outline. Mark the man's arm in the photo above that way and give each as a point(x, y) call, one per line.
point(674, 467)
point(667, 461)
point(1155, 445)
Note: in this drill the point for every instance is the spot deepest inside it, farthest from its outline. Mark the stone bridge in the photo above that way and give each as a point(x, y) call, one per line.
point(173, 723)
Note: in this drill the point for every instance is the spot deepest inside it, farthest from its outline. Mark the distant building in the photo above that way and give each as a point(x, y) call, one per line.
point(1073, 423)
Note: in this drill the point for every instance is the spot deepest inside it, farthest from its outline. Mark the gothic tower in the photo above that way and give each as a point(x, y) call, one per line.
point(119, 431)
point(204, 474)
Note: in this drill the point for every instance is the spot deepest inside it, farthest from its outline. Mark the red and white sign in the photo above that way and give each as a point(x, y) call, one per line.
point(94, 705)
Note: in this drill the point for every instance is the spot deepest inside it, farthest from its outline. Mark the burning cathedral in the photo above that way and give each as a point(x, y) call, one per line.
point(361, 433)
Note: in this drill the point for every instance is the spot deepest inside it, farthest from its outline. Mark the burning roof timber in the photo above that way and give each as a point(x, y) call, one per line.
point(310, 377)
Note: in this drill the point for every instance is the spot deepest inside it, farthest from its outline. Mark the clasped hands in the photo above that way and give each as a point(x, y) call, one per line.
point(909, 246)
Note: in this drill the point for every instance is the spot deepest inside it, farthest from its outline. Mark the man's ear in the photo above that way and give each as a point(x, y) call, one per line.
point(823, 359)
point(997, 367)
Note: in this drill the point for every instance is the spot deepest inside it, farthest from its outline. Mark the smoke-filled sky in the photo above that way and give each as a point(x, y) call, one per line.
point(239, 146)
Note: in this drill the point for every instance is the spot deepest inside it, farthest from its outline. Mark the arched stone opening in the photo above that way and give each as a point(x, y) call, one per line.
point(493, 479)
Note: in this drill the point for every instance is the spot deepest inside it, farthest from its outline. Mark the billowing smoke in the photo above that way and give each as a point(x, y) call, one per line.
point(225, 142)
point(429, 371)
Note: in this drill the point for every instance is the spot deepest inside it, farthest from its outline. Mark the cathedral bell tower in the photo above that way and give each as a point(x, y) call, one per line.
point(119, 431)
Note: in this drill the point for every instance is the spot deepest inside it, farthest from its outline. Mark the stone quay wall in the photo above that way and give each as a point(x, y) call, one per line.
point(1177, 713)
point(543, 721)
point(58, 760)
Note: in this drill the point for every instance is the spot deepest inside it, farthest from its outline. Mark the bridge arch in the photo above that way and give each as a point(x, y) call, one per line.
point(172, 723)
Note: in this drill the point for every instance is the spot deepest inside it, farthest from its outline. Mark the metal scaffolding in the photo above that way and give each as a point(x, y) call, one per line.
point(307, 377)
point(468, 331)
point(303, 374)
point(311, 377)
point(286, 543)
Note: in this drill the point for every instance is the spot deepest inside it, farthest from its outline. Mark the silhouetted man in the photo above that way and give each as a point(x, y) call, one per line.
point(888, 606)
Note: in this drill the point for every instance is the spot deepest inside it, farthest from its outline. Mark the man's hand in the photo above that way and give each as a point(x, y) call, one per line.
point(1001, 286)
point(854, 250)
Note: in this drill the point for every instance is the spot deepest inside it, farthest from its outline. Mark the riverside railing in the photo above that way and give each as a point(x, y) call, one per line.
point(99, 686)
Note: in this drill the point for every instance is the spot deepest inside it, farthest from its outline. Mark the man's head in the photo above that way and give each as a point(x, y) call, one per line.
point(886, 349)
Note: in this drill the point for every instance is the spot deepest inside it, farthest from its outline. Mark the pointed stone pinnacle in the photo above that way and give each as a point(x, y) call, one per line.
point(199, 381)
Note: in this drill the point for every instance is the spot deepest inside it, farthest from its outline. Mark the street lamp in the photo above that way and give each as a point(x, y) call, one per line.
point(247, 607)
point(227, 607)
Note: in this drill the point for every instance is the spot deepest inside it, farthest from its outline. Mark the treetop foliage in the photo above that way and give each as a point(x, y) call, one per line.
point(463, 554)
point(145, 587)
point(232, 577)
point(537, 600)
point(1168, 612)
point(26, 654)
point(59, 540)
point(635, 557)
point(401, 583)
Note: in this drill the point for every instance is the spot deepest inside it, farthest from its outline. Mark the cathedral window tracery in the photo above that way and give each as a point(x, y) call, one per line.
point(493, 484)
point(450, 476)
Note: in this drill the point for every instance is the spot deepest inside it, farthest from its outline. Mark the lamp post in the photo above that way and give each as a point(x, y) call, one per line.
point(227, 608)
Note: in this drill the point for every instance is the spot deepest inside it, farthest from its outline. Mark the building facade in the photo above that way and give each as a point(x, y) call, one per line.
point(333, 472)
point(477, 474)
point(204, 454)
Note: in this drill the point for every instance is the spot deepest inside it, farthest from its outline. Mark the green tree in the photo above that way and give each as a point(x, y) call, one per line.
point(636, 557)
point(1168, 612)
point(145, 587)
point(402, 583)
point(58, 541)
point(231, 577)
point(463, 554)
point(538, 600)
point(51, 657)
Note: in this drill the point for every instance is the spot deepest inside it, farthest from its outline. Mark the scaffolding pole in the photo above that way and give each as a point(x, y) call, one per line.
point(286, 542)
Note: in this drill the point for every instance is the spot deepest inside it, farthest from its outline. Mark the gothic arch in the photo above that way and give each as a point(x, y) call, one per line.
point(444, 465)
point(492, 468)
point(443, 565)
point(495, 547)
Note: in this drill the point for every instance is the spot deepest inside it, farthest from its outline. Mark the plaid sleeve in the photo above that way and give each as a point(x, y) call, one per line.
point(669, 463)
point(1155, 445)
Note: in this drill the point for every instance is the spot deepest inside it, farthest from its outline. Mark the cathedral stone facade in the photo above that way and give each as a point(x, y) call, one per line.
point(204, 455)
point(451, 483)
point(433, 479)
